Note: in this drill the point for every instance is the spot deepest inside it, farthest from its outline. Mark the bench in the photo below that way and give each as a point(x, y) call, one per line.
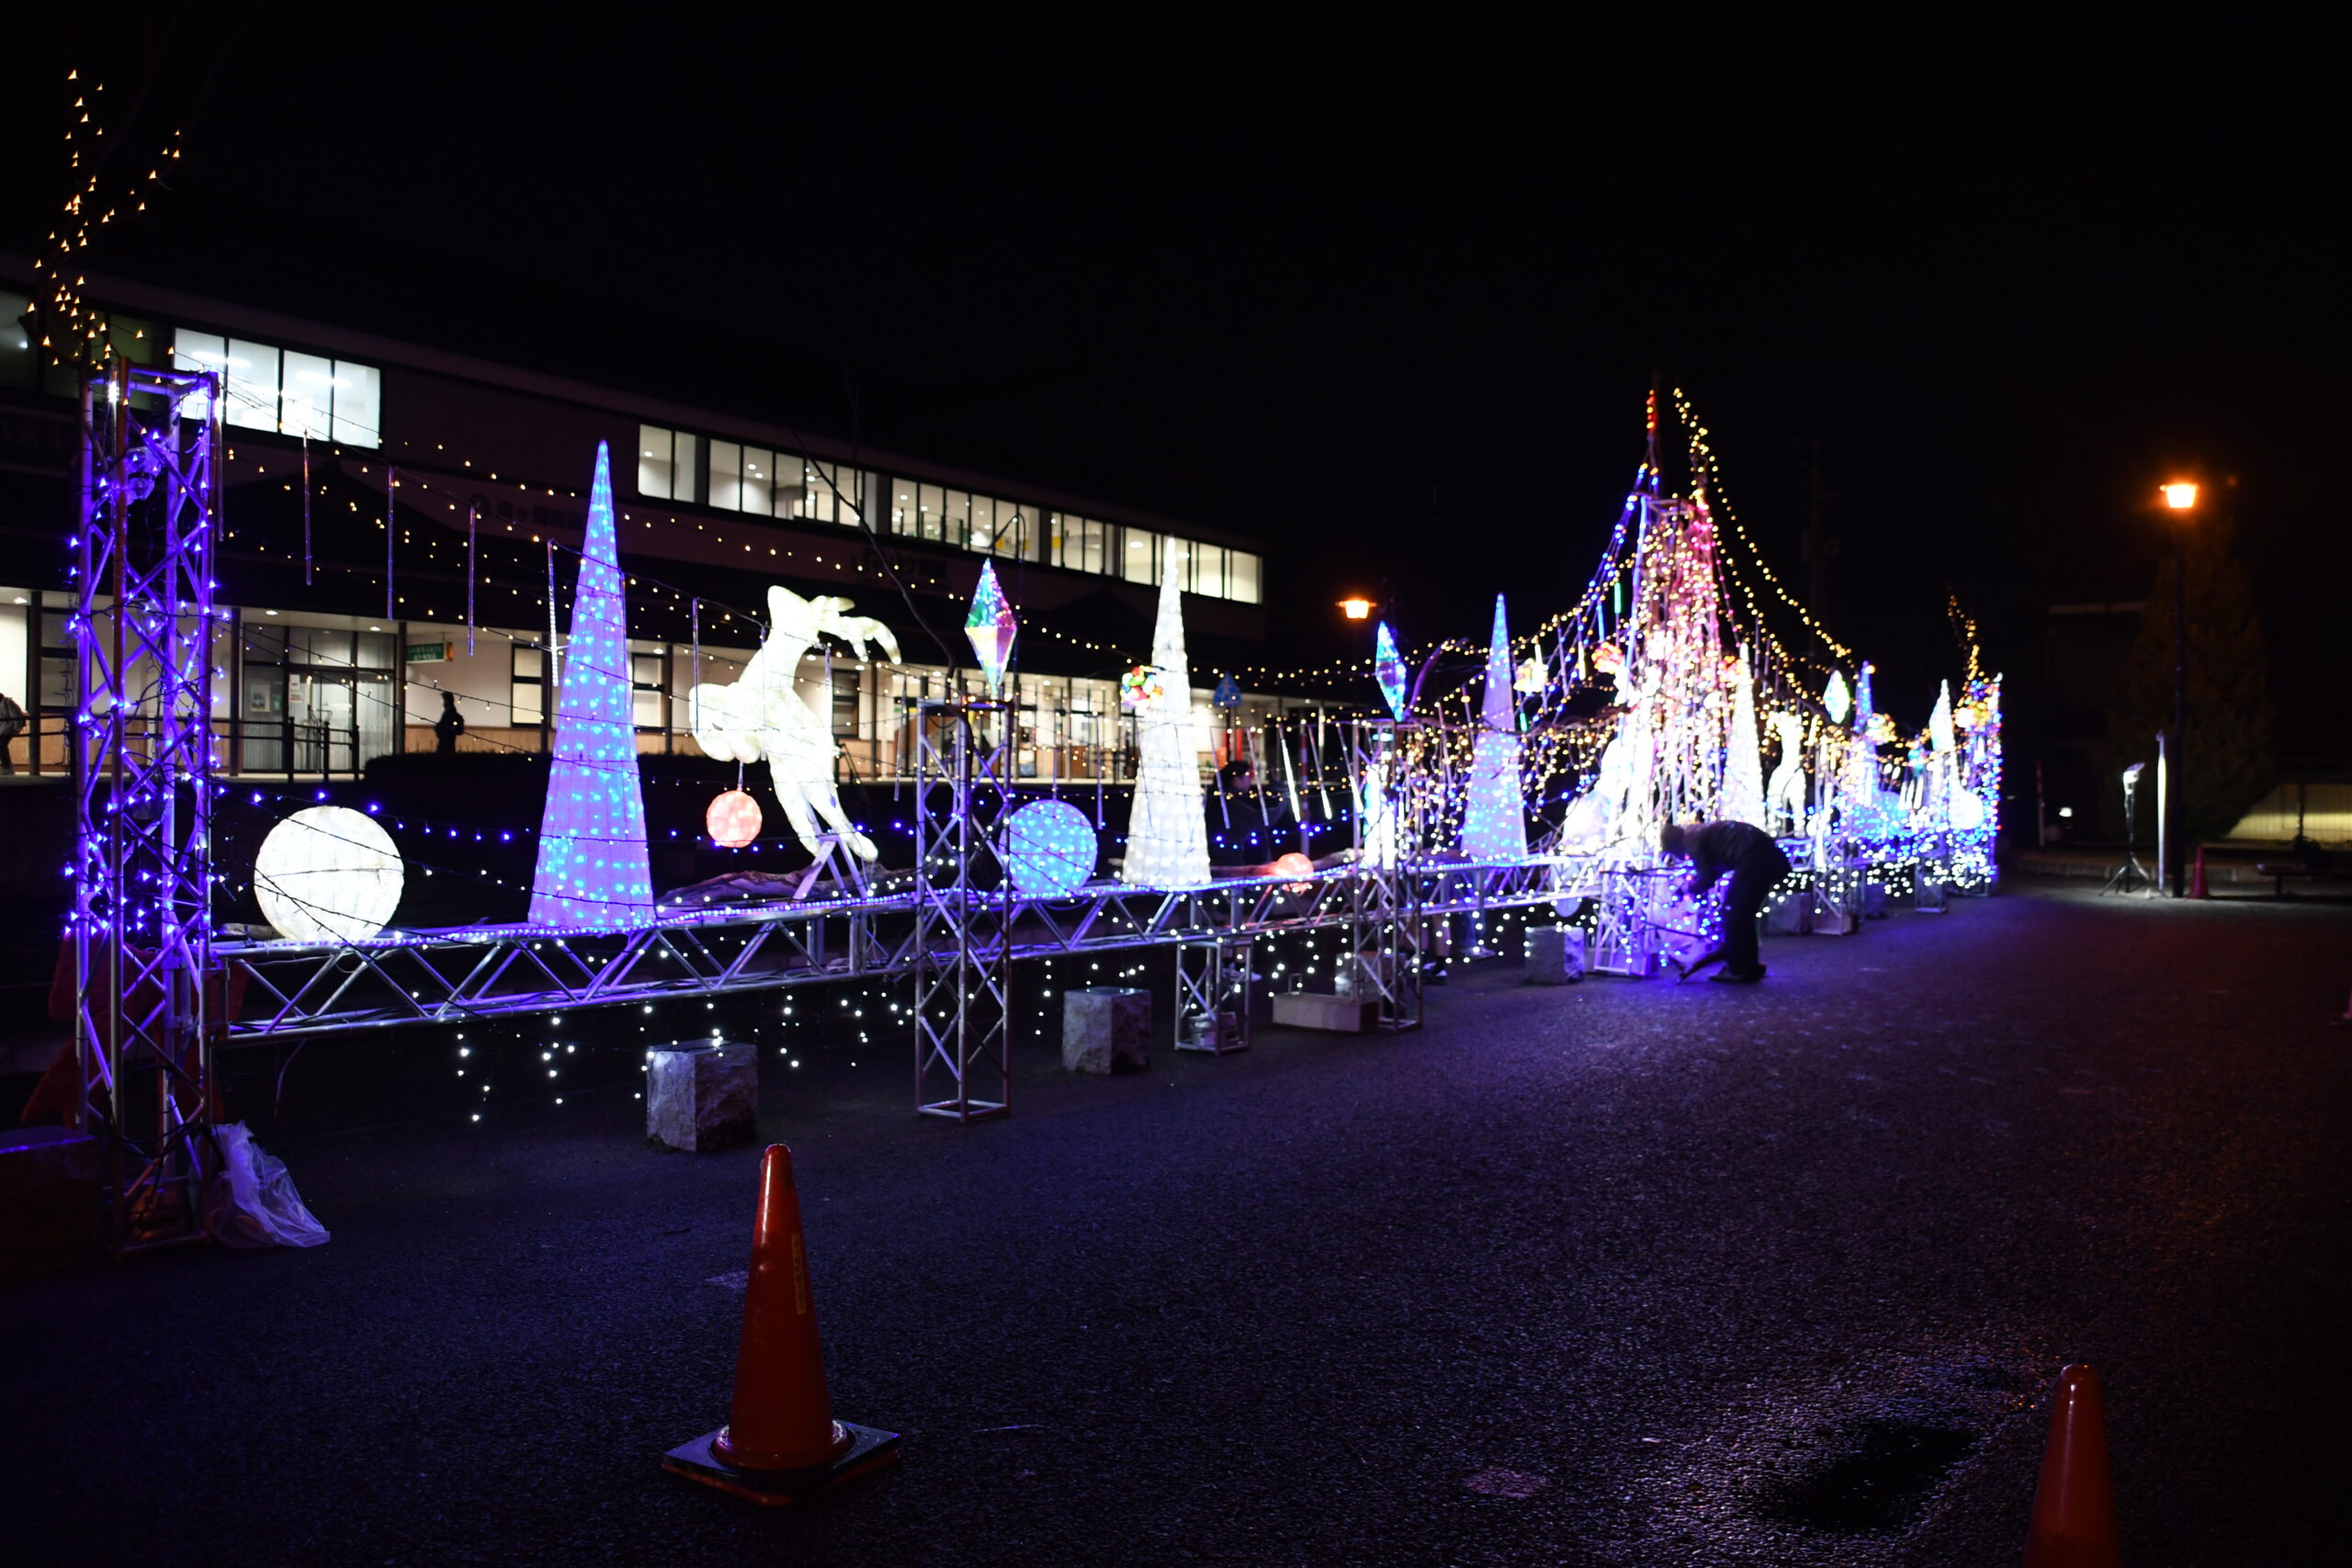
point(2281, 874)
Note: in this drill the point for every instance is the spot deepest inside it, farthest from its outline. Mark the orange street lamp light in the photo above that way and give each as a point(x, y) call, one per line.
point(2180, 497)
point(1356, 609)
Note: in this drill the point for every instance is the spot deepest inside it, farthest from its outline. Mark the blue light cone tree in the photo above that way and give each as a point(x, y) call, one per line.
point(594, 870)
point(1494, 827)
point(1168, 834)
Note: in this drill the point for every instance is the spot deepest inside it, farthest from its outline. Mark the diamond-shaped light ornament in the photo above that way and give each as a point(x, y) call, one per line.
point(1390, 669)
point(991, 627)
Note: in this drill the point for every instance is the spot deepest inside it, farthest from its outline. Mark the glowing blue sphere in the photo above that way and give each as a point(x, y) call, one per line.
point(1049, 848)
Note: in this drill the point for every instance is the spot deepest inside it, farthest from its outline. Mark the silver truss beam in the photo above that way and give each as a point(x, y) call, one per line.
point(142, 742)
point(963, 908)
point(468, 972)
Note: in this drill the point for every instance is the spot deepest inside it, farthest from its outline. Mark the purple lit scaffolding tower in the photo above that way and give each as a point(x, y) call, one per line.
point(144, 626)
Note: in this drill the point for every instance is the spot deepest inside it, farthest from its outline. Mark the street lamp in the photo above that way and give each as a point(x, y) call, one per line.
point(2180, 499)
point(1356, 609)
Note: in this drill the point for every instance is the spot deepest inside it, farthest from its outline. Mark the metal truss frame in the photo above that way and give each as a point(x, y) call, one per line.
point(964, 909)
point(470, 971)
point(141, 744)
point(1384, 895)
point(1212, 985)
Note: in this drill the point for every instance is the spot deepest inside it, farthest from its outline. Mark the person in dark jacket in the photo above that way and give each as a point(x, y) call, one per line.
point(1755, 864)
point(1247, 826)
point(449, 725)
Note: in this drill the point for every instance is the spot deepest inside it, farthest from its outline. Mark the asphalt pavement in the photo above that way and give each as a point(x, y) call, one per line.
point(1612, 1274)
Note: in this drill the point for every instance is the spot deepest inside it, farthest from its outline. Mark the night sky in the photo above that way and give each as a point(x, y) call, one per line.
point(1387, 296)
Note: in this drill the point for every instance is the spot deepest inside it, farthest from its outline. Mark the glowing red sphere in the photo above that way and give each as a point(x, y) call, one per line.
point(733, 819)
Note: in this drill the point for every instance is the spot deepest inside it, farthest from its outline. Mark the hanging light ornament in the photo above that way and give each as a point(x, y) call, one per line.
point(1141, 688)
point(1390, 669)
point(733, 819)
point(992, 628)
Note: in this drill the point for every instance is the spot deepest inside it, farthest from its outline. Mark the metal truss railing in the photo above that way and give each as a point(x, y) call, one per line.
point(447, 976)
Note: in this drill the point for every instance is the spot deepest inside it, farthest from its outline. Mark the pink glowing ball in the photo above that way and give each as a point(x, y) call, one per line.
point(733, 819)
point(1293, 864)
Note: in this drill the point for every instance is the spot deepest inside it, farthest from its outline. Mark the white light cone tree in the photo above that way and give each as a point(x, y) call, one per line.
point(1744, 760)
point(1494, 822)
point(1168, 836)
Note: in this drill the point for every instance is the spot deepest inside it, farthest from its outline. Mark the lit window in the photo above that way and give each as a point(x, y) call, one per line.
point(358, 404)
point(665, 463)
point(308, 405)
point(759, 480)
point(646, 690)
point(726, 476)
point(1140, 559)
point(199, 351)
point(524, 691)
point(1207, 570)
point(252, 384)
point(1078, 543)
point(1242, 577)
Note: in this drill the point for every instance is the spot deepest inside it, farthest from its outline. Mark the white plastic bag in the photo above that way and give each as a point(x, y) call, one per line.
point(254, 1201)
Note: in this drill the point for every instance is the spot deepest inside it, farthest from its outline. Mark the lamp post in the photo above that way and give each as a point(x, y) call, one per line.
point(2181, 498)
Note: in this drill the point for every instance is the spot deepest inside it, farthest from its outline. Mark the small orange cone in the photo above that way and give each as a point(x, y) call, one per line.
point(2197, 877)
point(2073, 1508)
point(781, 1443)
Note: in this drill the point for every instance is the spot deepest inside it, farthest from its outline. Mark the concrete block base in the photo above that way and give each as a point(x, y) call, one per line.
point(1313, 1010)
point(1555, 955)
point(701, 1096)
point(1106, 1028)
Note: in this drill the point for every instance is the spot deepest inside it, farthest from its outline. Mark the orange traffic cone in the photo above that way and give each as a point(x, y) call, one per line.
point(2073, 1508)
point(2197, 877)
point(781, 1443)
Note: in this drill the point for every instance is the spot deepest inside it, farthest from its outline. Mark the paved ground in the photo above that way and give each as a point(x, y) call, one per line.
point(1618, 1274)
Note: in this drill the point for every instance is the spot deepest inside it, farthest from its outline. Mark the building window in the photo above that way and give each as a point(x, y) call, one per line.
point(665, 463)
point(646, 690)
point(1243, 577)
point(1204, 569)
point(1139, 561)
point(289, 392)
point(1078, 543)
point(527, 698)
point(742, 478)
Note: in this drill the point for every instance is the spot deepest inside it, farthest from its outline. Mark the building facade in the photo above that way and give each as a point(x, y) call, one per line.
point(401, 524)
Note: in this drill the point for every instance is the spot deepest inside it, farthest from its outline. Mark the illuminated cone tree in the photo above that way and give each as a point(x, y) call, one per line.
point(1168, 836)
point(592, 869)
point(1494, 825)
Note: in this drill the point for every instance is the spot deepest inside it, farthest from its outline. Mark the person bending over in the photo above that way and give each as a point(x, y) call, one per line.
point(1756, 864)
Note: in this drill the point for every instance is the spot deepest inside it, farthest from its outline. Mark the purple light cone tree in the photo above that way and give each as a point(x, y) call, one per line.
point(594, 870)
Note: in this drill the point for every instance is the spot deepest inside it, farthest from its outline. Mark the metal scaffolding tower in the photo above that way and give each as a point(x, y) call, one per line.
point(963, 907)
point(144, 625)
point(1384, 898)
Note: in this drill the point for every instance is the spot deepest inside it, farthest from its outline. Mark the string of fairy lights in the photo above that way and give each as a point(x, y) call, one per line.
point(88, 333)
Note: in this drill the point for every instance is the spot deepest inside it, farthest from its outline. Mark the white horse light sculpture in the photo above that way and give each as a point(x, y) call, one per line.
point(1784, 797)
point(763, 718)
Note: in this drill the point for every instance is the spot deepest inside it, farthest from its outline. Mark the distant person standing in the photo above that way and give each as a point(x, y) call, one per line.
point(1756, 864)
point(448, 727)
point(12, 724)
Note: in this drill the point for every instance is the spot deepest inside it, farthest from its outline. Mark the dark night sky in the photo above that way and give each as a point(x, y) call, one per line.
point(2016, 274)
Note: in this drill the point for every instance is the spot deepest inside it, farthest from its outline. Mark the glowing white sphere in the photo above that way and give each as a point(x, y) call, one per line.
point(1967, 810)
point(328, 873)
point(1049, 848)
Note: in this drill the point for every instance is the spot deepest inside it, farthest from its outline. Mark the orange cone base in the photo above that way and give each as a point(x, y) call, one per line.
point(868, 1451)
